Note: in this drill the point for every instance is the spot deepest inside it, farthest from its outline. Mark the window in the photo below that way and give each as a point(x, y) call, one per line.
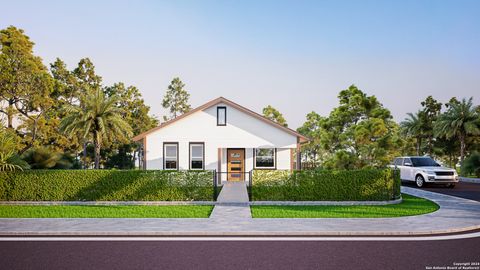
point(265, 158)
point(221, 116)
point(196, 156)
point(170, 154)
point(398, 162)
point(407, 160)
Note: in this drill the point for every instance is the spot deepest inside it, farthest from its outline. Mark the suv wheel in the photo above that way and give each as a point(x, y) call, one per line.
point(419, 181)
point(451, 185)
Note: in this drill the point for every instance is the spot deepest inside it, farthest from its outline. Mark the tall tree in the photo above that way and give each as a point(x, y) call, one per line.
point(359, 132)
point(25, 85)
point(176, 99)
point(312, 129)
point(428, 116)
point(99, 119)
point(460, 121)
point(274, 115)
point(413, 127)
point(136, 114)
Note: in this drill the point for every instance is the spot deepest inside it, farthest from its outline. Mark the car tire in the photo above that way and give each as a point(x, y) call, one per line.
point(419, 181)
point(450, 185)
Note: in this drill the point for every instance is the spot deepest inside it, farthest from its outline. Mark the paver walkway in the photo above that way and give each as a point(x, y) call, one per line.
point(455, 214)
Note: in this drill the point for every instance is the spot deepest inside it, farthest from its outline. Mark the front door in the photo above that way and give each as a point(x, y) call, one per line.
point(235, 164)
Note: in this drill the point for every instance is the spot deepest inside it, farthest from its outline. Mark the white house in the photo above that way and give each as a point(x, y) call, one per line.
point(223, 136)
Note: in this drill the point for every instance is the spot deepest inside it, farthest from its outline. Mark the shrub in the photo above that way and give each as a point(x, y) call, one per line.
point(471, 165)
point(46, 158)
point(328, 185)
point(106, 185)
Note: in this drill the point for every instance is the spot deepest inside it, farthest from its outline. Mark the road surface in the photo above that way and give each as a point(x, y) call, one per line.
point(238, 254)
point(462, 189)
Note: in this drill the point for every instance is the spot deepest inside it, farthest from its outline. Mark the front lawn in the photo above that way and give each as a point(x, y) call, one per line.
point(410, 206)
point(105, 211)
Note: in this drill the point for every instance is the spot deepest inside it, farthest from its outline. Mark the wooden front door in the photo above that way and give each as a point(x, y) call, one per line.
point(235, 164)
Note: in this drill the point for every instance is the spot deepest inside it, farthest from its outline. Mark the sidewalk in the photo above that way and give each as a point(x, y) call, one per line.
point(455, 215)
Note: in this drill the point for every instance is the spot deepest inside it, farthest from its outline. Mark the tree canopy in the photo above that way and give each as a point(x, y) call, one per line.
point(274, 115)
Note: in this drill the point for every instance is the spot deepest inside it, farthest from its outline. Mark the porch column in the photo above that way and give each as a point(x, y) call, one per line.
point(219, 166)
point(299, 156)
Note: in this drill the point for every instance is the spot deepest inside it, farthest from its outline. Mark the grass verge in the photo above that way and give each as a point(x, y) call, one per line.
point(105, 211)
point(410, 206)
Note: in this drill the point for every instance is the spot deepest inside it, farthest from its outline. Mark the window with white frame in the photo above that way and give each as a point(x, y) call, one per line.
point(265, 158)
point(170, 151)
point(196, 156)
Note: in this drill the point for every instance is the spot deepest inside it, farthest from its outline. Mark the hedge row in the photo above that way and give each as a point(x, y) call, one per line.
point(106, 185)
point(326, 185)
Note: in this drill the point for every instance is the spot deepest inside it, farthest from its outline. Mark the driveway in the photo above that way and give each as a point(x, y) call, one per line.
point(464, 190)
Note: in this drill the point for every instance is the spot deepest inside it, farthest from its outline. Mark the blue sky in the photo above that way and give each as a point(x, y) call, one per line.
point(293, 55)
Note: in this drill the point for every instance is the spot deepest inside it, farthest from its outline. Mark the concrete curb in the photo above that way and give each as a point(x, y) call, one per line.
point(107, 203)
point(470, 180)
point(300, 203)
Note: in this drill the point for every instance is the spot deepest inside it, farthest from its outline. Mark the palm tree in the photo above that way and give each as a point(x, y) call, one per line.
point(413, 126)
point(460, 120)
point(9, 161)
point(97, 118)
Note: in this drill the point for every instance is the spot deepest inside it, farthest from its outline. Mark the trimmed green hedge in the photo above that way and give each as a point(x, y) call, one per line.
point(326, 185)
point(106, 185)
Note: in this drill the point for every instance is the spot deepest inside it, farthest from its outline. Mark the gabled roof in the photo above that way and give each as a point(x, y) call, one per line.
point(230, 103)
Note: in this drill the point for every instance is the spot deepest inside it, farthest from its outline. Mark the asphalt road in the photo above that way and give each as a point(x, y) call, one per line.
point(462, 189)
point(238, 254)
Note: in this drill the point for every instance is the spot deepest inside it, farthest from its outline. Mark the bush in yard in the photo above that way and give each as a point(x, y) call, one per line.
point(326, 185)
point(106, 185)
point(471, 165)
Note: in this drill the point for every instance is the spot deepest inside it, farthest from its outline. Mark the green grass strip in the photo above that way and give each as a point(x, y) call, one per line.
point(410, 206)
point(105, 211)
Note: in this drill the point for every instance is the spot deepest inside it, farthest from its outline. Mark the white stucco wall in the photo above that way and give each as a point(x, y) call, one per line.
point(242, 131)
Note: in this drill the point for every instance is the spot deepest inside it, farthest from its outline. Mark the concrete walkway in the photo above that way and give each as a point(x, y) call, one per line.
point(455, 215)
point(232, 204)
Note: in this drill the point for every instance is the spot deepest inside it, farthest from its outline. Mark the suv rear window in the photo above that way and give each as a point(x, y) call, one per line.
point(398, 162)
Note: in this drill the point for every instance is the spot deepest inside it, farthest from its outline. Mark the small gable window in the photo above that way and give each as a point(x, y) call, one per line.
point(221, 116)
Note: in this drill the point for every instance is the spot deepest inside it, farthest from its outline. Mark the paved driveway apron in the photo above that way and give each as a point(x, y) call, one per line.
point(232, 217)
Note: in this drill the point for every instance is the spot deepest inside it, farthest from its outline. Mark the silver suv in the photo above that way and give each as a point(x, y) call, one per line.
point(425, 170)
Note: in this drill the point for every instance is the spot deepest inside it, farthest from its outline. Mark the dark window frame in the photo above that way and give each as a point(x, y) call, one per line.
point(225, 120)
point(265, 168)
point(165, 160)
point(190, 155)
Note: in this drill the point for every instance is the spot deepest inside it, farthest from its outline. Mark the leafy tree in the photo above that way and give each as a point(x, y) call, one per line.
point(428, 116)
point(99, 119)
point(176, 99)
point(312, 129)
point(461, 120)
point(274, 115)
point(359, 133)
point(135, 111)
point(136, 114)
point(25, 85)
point(413, 127)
